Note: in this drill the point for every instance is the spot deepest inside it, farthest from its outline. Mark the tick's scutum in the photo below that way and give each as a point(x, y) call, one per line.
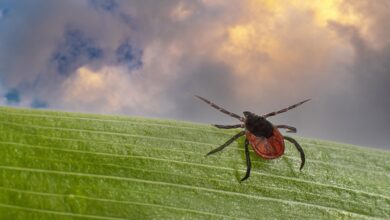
point(258, 125)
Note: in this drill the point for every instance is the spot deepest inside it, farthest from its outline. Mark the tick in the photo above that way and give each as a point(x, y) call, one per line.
point(264, 137)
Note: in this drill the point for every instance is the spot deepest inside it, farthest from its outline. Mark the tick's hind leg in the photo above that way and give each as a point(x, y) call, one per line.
point(227, 143)
point(290, 129)
point(248, 161)
point(299, 148)
point(229, 126)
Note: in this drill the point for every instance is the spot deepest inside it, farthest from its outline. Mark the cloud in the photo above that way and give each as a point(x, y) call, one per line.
point(105, 5)
point(110, 89)
point(131, 57)
point(75, 51)
point(150, 57)
point(369, 114)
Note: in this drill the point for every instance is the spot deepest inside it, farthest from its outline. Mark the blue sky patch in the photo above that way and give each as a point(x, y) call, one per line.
point(75, 51)
point(4, 12)
point(130, 56)
point(12, 96)
point(37, 103)
point(105, 5)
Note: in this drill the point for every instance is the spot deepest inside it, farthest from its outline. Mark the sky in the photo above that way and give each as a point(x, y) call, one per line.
point(149, 58)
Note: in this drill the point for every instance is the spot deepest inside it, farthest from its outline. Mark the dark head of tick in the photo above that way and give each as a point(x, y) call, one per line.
point(265, 138)
point(258, 125)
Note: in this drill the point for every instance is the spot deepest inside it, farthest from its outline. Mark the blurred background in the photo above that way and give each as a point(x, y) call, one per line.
point(149, 58)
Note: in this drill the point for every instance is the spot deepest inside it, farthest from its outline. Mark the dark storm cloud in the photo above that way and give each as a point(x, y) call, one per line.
point(369, 105)
point(360, 114)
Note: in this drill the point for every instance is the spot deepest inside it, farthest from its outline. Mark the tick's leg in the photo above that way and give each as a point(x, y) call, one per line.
point(248, 161)
point(290, 129)
point(220, 109)
point(299, 148)
point(229, 126)
point(285, 109)
point(227, 143)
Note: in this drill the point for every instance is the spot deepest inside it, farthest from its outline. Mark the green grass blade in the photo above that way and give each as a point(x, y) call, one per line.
point(58, 165)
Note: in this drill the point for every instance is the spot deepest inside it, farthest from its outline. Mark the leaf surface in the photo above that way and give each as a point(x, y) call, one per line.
point(58, 165)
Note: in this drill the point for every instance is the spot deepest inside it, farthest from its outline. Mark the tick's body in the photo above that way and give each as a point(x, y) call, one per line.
point(267, 148)
point(265, 138)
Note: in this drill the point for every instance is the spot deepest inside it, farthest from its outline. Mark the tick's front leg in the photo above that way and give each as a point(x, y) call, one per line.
point(290, 129)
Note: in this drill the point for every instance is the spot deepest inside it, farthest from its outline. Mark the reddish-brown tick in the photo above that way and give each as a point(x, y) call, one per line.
point(264, 137)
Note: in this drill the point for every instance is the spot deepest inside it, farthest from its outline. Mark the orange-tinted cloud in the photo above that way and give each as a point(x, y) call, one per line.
point(273, 40)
